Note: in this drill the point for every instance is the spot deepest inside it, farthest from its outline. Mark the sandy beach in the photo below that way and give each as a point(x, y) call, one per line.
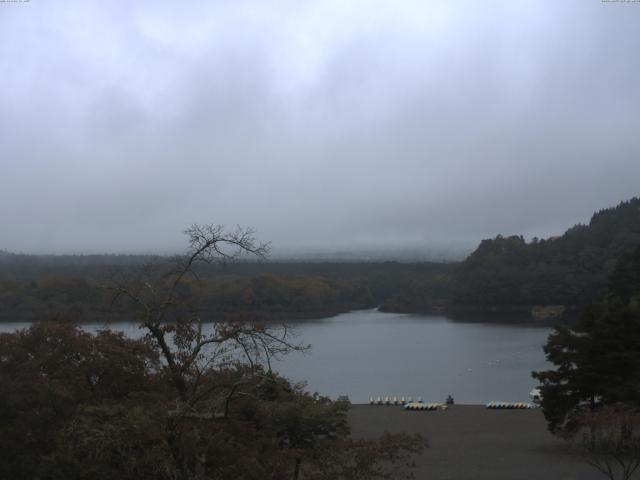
point(472, 442)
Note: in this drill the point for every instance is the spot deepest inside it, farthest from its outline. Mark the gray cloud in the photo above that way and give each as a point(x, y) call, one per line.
point(322, 124)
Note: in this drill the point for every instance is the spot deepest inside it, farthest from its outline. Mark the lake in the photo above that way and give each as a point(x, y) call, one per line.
point(369, 353)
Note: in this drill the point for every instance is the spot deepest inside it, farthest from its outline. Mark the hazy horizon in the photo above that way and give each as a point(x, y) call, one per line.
point(327, 126)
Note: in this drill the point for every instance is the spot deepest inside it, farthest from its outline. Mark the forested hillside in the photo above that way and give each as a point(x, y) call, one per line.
point(571, 269)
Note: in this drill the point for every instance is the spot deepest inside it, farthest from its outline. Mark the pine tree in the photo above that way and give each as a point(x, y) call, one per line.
point(598, 360)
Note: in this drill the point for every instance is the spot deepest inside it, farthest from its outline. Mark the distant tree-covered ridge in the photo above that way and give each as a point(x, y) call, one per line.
point(571, 269)
point(505, 273)
point(33, 287)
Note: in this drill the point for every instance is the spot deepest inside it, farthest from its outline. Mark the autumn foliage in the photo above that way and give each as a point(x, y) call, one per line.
point(76, 405)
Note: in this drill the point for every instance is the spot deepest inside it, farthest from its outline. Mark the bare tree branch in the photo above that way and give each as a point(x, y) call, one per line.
point(176, 326)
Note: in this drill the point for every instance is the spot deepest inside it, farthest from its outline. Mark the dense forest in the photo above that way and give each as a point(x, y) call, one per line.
point(570, 270)
point(34, 287)
point(504, 273)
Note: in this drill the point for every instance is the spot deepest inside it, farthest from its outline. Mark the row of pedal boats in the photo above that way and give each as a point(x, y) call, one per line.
point(393, 400)
point(410, 404)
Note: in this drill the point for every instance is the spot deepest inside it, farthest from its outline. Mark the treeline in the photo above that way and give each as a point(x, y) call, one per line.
point(79, 287)
point(571, 269)
point(511, 275)
point(23, 266)
point(504, 273)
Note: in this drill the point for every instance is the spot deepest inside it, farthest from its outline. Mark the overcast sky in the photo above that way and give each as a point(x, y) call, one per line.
point(322, 124)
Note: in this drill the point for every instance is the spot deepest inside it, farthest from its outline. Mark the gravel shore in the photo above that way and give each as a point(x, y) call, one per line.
point(472, 442)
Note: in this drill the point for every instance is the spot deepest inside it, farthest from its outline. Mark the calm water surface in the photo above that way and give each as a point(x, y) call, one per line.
point(367, 353)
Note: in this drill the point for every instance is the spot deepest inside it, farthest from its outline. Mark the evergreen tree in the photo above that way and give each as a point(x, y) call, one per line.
point(597, 361)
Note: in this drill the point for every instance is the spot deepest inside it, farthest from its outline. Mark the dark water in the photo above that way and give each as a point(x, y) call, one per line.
point(369, 353)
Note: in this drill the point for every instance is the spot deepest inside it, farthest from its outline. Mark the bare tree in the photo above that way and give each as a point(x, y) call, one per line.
point(161, 298)
point(609, 440)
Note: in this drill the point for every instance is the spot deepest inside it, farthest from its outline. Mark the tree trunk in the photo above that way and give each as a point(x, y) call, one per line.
point(296, 470)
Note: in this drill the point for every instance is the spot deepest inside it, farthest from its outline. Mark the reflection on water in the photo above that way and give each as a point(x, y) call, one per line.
point(368, 353)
